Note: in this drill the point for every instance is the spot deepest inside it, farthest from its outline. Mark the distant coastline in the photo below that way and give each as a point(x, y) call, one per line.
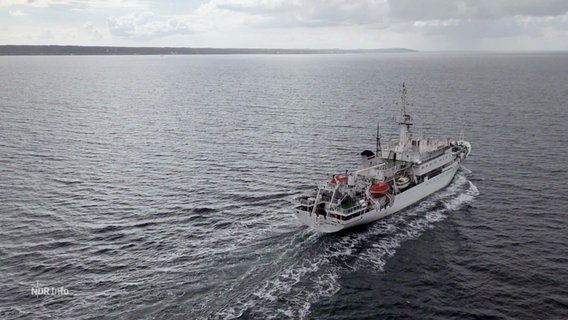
point(56, 50)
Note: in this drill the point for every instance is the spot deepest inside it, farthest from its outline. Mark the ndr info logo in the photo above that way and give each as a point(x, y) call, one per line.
point(48, 291)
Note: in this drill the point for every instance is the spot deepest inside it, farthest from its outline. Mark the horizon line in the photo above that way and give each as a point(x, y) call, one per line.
point(63, 49)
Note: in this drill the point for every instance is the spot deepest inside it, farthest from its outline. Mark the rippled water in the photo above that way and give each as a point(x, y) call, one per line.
point(159, 187)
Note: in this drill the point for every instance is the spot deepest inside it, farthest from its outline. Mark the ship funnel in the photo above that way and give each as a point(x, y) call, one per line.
point(368, 159)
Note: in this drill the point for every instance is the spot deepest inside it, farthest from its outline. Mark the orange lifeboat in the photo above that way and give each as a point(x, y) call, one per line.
point(378, 189)
point(338, 179)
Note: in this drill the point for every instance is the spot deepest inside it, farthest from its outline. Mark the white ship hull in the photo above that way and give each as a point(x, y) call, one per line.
point(402, 200)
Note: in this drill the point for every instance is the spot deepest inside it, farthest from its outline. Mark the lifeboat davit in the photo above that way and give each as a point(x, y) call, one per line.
point(338, 180)
point(378, 189)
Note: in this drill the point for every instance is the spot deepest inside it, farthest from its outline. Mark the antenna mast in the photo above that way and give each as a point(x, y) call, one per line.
point(405, 119)
point(378, 149)
point(403, 101)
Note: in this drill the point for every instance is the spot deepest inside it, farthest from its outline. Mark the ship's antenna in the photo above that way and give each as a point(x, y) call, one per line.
point(403, 101)
point(379, 148)
point(405, 119)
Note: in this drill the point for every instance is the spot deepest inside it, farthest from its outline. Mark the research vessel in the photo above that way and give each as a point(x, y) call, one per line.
point(389, 180)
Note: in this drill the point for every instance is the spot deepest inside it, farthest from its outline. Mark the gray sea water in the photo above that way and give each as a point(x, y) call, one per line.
point(147, 187)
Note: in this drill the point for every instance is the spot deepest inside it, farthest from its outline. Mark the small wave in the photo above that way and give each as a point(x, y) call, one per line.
point(258, 199)
point(105, 229)
point(202, 210)
point(67, 181)
point(466, 170)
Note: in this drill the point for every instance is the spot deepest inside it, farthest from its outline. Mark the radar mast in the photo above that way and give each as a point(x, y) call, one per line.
point(405, 119)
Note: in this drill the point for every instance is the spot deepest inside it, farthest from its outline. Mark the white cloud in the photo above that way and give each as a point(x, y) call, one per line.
point(46, 35)
point(255, 6)
point(32, 3)
point(146, 26)
point(93, 32)
point(109, 4)
point(312, 13)
point(411, 10)
point(436, 23)
point(16, 13)
point(77, 3)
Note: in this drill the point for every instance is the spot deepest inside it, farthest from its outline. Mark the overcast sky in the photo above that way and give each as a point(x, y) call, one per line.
point(417, 24)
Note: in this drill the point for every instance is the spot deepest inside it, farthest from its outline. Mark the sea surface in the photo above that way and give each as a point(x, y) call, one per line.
point(160, 187)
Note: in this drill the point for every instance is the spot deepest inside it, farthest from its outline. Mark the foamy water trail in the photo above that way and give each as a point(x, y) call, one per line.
point(282, 294)
point(319, 260)
point(412, 222)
